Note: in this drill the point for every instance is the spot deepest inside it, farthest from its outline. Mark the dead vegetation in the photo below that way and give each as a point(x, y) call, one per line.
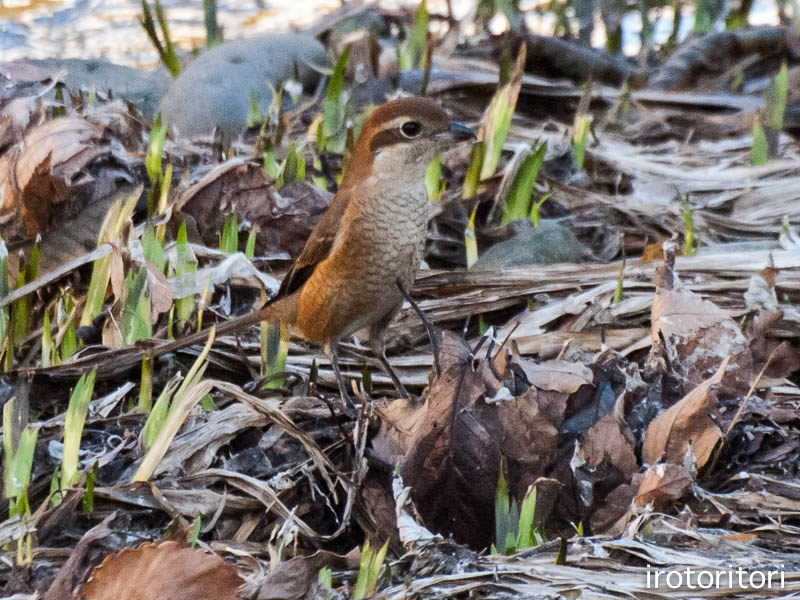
point(645, 397)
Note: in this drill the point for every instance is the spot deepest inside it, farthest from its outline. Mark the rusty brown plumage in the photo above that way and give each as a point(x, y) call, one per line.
point(370, 239)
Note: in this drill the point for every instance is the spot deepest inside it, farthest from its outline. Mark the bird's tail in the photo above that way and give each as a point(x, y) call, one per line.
point(282, 311)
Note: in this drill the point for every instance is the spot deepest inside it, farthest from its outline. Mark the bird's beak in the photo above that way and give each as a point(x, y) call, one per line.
point(460, 132)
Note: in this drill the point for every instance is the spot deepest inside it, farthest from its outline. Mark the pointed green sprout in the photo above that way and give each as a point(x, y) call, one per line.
point(369, 570)
point(74, 420)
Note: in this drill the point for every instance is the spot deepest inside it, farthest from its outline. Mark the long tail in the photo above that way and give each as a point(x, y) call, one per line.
point(282, 311)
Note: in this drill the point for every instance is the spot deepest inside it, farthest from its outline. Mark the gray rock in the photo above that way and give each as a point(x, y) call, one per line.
point(215, 88)
point(143, 88)
point(547, 244)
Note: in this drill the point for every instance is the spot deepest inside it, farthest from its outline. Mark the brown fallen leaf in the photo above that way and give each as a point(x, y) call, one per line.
point(695, 333)
point(663, 484)
point(293, 578)
point(448, 449)
point(155, 571)
point(74, 570)
point(529, 442)
point(686, 423)
point(557, 375)
point(37, 174)
point(610, 438)
point(283, 218)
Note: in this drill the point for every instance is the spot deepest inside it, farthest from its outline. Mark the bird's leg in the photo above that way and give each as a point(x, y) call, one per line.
point(379, 348)
point(330, 350)
point(428, 326)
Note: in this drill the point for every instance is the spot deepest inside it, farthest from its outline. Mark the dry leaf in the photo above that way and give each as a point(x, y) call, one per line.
point(283, 218)
point(452, 459)
point(688, 422)
point(159, 571)
point(663, 484)
point(557, 375)
point(610, 438)
point(698, 334)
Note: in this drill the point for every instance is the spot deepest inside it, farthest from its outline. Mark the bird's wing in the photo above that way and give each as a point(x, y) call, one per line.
point(317, 248)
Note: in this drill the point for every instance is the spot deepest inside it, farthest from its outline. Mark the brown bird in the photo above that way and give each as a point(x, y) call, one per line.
point(363, 255)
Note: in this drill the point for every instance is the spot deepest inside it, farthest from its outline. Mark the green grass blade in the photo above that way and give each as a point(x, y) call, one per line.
point(518, 202)
point(74, 420)
point(526, 515)
point(759, 151)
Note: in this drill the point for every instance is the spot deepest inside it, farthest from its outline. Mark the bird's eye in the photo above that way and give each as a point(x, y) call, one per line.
point(411, 129)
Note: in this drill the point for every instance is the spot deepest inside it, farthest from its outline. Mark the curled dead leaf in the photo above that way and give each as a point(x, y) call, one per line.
point(557, 375)
point(698, 334)
point(663, 484)
point(37, 174)
point(687, 423)
point(283, 218)
point(154, 571)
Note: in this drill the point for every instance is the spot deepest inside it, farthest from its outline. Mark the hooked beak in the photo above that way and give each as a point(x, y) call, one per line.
point(460, 132)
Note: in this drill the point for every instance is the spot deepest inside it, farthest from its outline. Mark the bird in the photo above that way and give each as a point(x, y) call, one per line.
point(362, 257)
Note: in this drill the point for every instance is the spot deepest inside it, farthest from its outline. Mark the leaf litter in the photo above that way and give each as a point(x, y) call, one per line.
point(652, 404)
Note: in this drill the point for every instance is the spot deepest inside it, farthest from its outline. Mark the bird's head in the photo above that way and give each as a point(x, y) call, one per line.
point(399, 139)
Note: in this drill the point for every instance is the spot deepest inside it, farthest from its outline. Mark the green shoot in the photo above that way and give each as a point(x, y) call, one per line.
point(250, 247)
point(48, 348)
point(184, 266)
point(74, 420)
point(152, 162)
point(213, 32)
point(776, 99)
point(69, 343)
point(535, 206)
point(275, 349)
point(110, 231)
point(146, 387)
point(775, 108)
point(157, 416)
point(527, 535)
point(136, 309)
point(87, 504)
point(21, 310)
point(518, 202)
point(514, 528)
point(411, 53)
point(581, 126)
point(201, 303)
point(325, 578)
point(60, 109)
point(369, 570)
point(482, 325)
point(17, 466)
point(434, 184)
point(196, 524)
point(254, 114)
point(152, 249)
point(496, 119)
point(166, 51)
point(293, 167)
point(505, 517)
point(473, 177)
point(332, 131)
point(706, 13)
point(18, 459)
point(229, 237)
point(759, 151)
point(690, 246)
point(163, 423)
point(618, 291)
point(471, 240)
